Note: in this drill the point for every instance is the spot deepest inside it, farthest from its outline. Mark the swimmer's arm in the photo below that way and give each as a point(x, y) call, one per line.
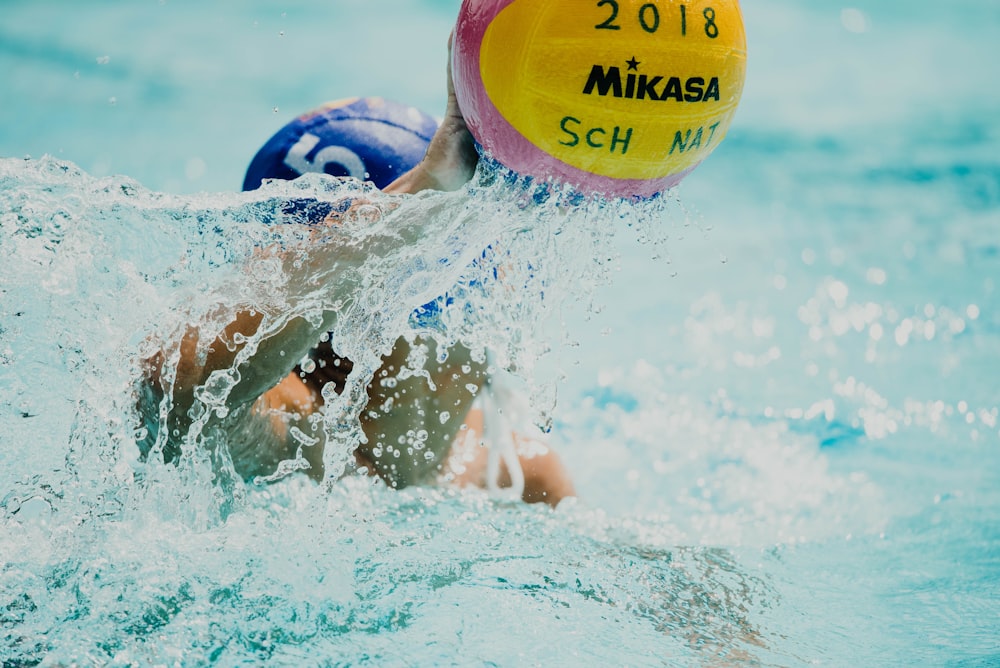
point(193, 363)
point(279, 352)
point(274, 358)
point(449, 163)
point(451, 157)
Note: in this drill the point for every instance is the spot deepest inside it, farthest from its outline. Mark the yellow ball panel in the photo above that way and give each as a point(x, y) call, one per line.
point(648, 99)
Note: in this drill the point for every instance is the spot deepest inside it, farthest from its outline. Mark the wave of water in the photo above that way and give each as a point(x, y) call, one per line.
point(110, 559)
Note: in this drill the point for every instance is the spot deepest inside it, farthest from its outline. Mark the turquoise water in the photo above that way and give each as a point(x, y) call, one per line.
point(778, 395)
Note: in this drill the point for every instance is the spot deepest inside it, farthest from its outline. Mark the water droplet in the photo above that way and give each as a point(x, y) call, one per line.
point(838, 293)
point(302, 437)
point(195, 169)
point(876, 276)
point(854, 20)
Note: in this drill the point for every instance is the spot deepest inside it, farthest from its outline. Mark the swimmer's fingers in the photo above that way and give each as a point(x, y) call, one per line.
point(454, 109)
point(460, 144)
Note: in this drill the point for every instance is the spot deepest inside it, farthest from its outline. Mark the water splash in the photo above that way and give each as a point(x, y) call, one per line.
point(100, 274)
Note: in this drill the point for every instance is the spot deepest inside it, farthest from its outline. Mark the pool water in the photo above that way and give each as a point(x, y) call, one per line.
point(777, 390)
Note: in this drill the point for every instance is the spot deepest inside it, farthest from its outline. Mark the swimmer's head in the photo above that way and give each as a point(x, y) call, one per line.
point(369, 138)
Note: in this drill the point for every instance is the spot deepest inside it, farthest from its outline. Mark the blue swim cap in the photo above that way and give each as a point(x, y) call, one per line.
point(369, 138)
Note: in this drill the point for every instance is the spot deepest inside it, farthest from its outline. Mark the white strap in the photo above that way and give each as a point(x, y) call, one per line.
point(499, 437)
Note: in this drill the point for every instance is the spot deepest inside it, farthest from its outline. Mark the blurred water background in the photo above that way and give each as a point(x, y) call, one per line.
point(781, 411)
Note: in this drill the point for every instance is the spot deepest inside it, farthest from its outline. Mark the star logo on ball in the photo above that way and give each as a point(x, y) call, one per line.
point(633, 64)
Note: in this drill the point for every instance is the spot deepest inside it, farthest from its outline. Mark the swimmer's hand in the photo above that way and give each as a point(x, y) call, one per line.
point(451, 157)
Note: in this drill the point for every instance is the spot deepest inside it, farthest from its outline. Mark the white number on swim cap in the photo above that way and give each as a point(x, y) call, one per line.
point(345, 157)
